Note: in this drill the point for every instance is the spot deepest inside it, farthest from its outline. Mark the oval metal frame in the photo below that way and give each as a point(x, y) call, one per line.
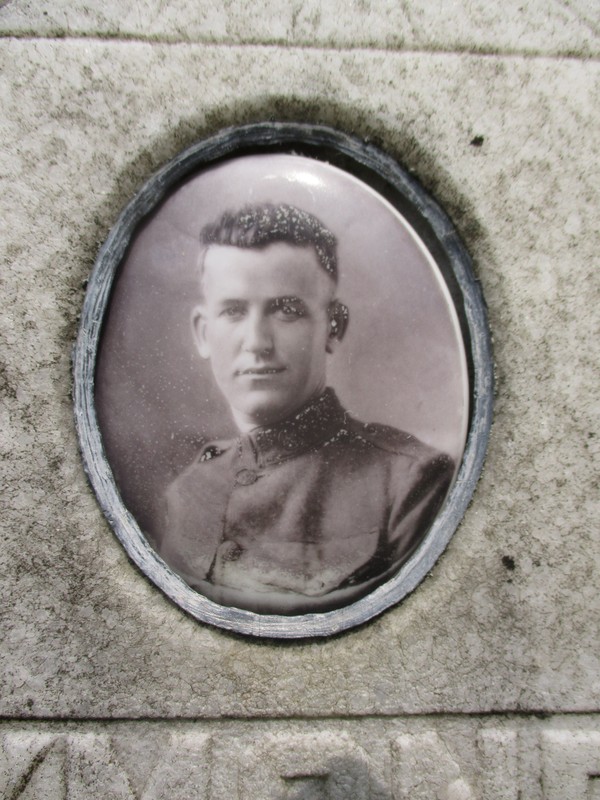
point(433, 225)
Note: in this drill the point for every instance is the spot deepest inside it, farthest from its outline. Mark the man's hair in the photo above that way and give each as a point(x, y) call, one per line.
point(260, 225)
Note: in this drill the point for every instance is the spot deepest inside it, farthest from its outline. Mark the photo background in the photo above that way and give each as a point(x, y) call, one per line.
point(401, 363)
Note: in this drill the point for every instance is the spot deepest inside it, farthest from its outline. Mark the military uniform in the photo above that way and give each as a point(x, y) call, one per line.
point(306, 515)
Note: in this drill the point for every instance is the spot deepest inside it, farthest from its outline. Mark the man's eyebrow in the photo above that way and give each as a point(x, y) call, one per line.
point(227, 301)
point(287, 298)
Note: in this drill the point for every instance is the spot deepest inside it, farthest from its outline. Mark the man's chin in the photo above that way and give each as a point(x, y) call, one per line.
point(265, 413)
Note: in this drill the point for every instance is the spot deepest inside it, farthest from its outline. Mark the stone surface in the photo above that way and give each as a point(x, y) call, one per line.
point(508, 619)
point(567, 27)
point(507, 623)
point(450, 758)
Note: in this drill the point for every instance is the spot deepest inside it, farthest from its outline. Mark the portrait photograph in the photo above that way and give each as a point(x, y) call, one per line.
point(281, 385)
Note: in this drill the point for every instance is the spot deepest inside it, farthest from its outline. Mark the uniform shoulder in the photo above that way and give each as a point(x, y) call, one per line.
point(398, 442)
point(209, 452)
point(384, 437)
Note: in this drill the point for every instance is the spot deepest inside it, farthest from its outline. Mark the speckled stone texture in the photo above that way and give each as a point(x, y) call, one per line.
point(410, 758)
point(564, 27)
point(507, 623)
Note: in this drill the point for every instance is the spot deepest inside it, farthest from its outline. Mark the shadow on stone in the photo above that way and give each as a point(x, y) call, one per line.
point(339, 778)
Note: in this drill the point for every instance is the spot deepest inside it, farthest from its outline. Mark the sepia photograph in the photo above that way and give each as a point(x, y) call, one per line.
point(281, 385)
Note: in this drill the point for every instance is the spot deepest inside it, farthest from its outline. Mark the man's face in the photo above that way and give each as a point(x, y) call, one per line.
point(264, 324)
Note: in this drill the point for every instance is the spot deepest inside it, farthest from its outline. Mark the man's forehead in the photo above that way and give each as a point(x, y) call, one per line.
point(273, 253)
point(280, 269)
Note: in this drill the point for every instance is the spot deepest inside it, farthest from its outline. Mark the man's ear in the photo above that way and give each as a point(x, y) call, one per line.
point(199, 325)
point(338, 322)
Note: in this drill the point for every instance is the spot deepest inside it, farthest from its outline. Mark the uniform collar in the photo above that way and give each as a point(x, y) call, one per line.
point(308, 429)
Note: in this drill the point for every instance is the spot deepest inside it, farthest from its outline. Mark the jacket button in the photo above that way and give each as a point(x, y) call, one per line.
point(245, 477)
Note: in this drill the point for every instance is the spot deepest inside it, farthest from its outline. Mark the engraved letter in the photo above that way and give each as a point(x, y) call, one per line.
point(424, 770)
point(32, 765)
point(571, 764)
point(499, 764)
point(284, 767)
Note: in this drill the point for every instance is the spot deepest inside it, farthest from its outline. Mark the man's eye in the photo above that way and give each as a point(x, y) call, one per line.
point(288, 310)
point(232, 312)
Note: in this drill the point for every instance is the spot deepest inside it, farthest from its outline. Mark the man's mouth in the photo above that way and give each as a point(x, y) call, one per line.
point(261, 371)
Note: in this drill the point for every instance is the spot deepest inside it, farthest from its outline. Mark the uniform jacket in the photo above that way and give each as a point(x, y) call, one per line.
point(306, 515)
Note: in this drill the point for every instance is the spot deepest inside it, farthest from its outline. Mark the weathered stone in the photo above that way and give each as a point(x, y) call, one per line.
point(533, 28)
point(86, 634)
point(446, 757)
point(508, 622)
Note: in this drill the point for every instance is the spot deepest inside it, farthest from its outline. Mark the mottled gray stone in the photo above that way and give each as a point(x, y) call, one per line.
point(508, 619)
point(445, 757)
point(561, 28)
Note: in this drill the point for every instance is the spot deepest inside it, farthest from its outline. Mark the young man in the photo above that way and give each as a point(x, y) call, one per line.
point(307, 509)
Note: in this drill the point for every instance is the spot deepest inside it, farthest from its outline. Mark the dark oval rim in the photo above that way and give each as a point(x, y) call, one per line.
point(433, 225)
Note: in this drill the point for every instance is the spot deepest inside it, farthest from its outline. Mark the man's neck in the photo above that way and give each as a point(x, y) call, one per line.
point(246, 425)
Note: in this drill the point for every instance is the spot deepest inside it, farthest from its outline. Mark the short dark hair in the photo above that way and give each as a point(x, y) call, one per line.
point(260, 225)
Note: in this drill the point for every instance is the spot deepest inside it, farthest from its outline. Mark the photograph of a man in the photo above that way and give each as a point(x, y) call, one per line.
point(306, 509)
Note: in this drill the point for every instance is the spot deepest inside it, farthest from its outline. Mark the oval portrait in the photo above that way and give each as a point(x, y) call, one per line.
point(283, 381)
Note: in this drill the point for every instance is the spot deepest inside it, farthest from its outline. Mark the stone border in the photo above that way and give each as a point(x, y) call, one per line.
point(384, 175)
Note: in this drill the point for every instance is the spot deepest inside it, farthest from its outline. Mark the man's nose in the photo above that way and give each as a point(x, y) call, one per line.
point(258, 335)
